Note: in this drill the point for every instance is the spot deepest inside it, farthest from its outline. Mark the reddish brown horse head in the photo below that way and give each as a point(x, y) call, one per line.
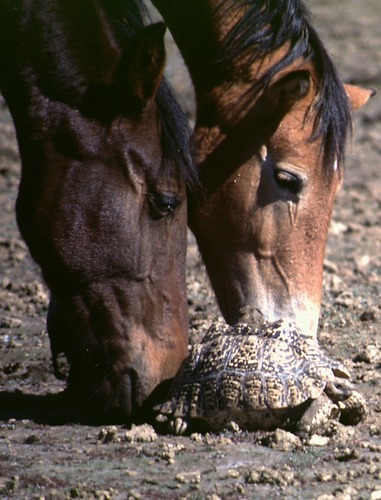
point(102, 201)
point(272, 120)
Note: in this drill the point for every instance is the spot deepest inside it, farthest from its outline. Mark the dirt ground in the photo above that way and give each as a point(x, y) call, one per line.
point(78, 461)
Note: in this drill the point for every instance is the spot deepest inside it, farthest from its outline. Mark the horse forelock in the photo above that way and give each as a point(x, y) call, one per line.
point(176, 137)
point(267, 26)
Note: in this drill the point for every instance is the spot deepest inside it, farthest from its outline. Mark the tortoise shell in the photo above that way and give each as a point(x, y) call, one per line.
point(260, 378)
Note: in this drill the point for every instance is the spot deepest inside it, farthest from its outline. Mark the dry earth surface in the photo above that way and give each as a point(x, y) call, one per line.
point(77, 461)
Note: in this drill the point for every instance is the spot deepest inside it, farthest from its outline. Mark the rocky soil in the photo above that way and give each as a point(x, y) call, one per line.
point(77, 461)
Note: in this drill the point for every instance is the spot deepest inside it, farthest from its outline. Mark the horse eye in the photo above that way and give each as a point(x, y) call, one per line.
point(289, 181)
point(162, 204)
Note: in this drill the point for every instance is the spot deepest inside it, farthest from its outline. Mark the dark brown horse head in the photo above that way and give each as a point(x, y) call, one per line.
point(272, 121)
point(106, 158)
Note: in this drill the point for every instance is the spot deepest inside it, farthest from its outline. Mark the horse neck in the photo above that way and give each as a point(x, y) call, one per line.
point(50, 53)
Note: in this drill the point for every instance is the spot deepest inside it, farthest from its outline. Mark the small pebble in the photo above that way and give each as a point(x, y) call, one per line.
point(316, 440)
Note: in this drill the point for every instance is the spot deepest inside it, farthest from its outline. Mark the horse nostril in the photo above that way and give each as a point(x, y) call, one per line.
point(119, 396)
point(125, 396)
point(132, 392)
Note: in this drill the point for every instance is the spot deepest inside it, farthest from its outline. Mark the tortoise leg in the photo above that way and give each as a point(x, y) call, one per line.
point(317, 417)
point(353, 410)
point(322, 411)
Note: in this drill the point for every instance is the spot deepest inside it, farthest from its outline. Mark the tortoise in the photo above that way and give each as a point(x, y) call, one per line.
point(260, 378)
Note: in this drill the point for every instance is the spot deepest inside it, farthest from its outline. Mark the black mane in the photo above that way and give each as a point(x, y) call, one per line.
point(267, 26)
